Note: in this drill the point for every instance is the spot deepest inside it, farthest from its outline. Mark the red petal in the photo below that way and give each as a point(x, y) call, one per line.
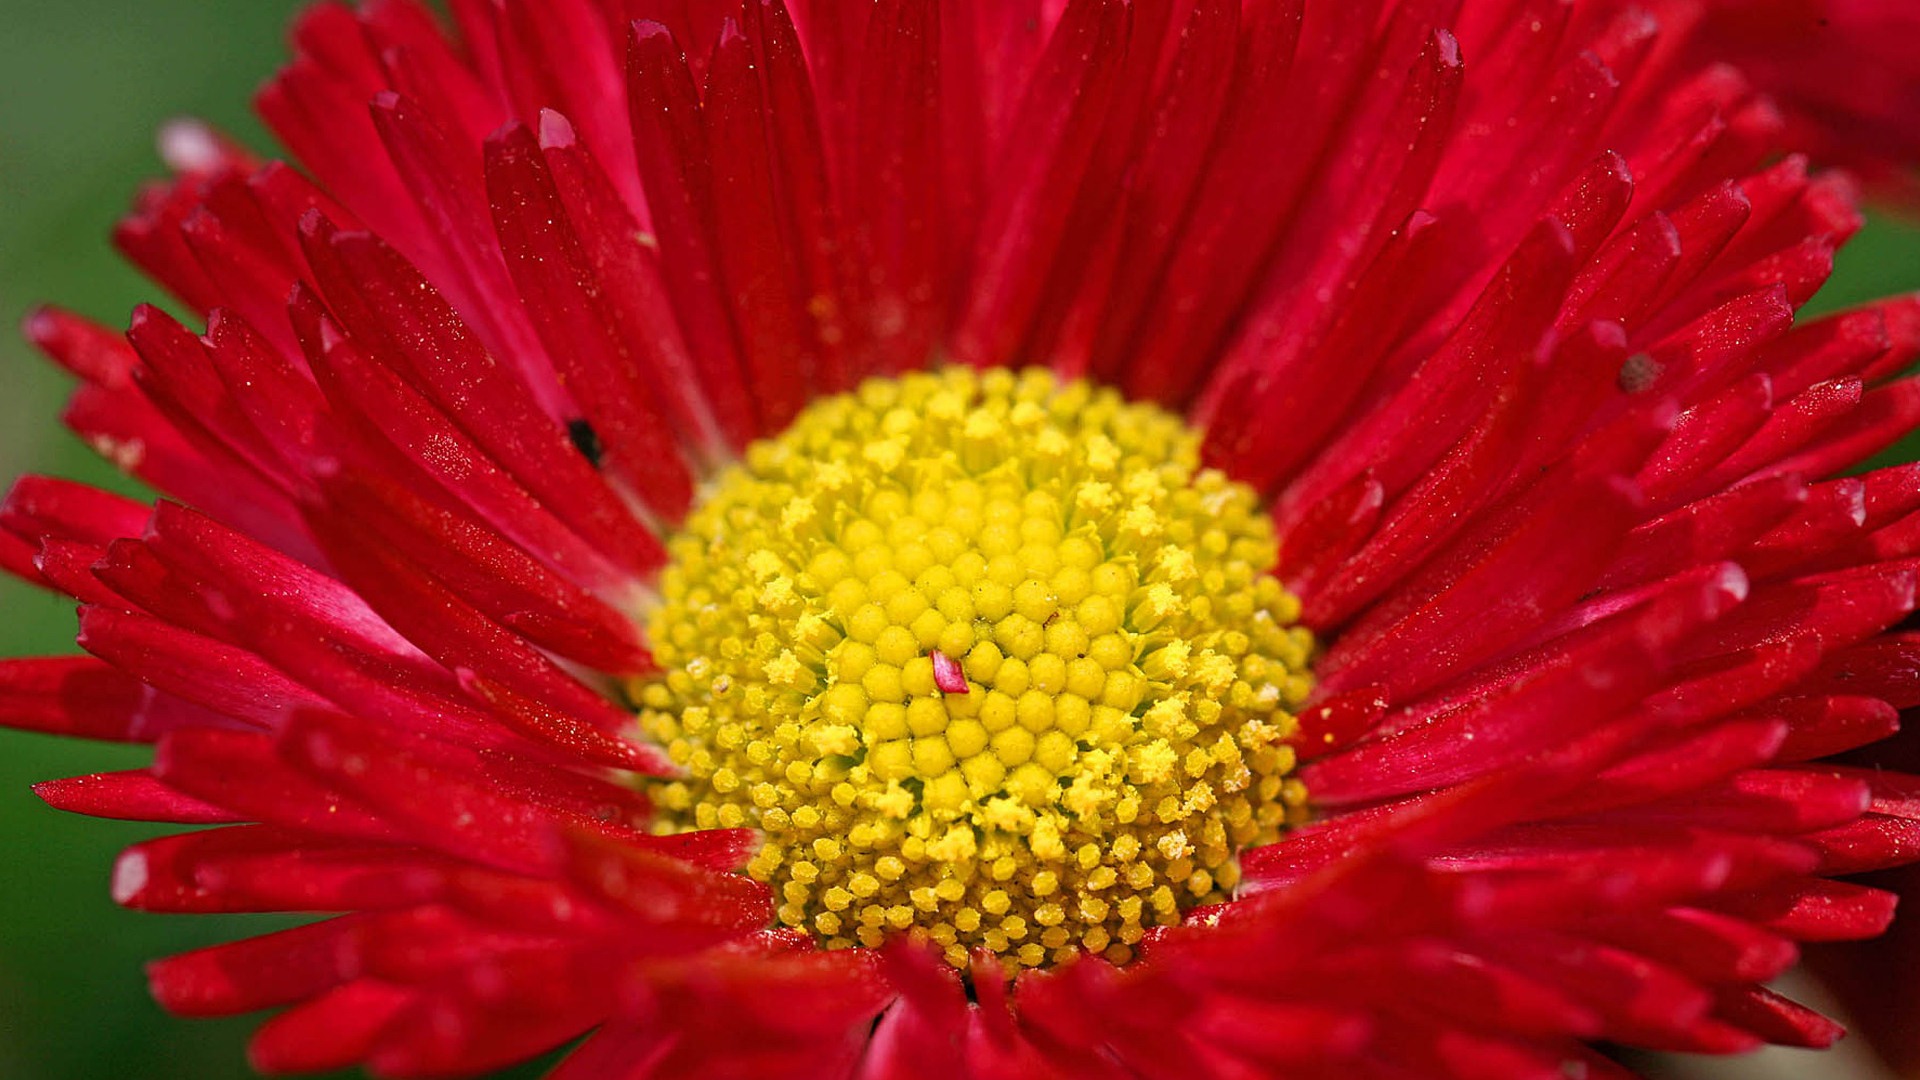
point(331, 1031)
point(129, 796)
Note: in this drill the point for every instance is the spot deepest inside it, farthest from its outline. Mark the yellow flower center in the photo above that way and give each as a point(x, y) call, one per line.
point(1128, 668)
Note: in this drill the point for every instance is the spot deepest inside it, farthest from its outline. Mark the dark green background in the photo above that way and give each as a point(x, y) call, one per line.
point(83, 84)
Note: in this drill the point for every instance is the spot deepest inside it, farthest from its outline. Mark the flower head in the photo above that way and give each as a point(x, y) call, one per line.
point(1039, 539)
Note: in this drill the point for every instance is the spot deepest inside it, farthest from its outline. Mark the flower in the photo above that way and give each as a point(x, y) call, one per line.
point(568, 577)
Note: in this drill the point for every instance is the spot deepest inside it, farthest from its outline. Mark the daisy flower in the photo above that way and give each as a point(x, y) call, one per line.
point(1042, 538)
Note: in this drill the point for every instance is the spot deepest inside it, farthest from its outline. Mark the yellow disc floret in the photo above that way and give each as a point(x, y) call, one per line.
point(1129, 665)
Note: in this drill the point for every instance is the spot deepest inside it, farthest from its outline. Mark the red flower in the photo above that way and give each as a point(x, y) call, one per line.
point(1495, 313)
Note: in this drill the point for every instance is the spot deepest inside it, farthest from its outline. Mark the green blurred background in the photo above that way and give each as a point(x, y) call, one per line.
point(83, 85)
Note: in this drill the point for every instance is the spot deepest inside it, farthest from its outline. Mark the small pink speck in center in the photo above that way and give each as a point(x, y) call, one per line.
point(947, 674)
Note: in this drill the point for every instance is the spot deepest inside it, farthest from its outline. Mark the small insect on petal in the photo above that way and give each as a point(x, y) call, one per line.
point(947, 674)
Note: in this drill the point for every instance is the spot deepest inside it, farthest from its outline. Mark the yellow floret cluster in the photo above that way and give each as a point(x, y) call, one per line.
point(1129, 663)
